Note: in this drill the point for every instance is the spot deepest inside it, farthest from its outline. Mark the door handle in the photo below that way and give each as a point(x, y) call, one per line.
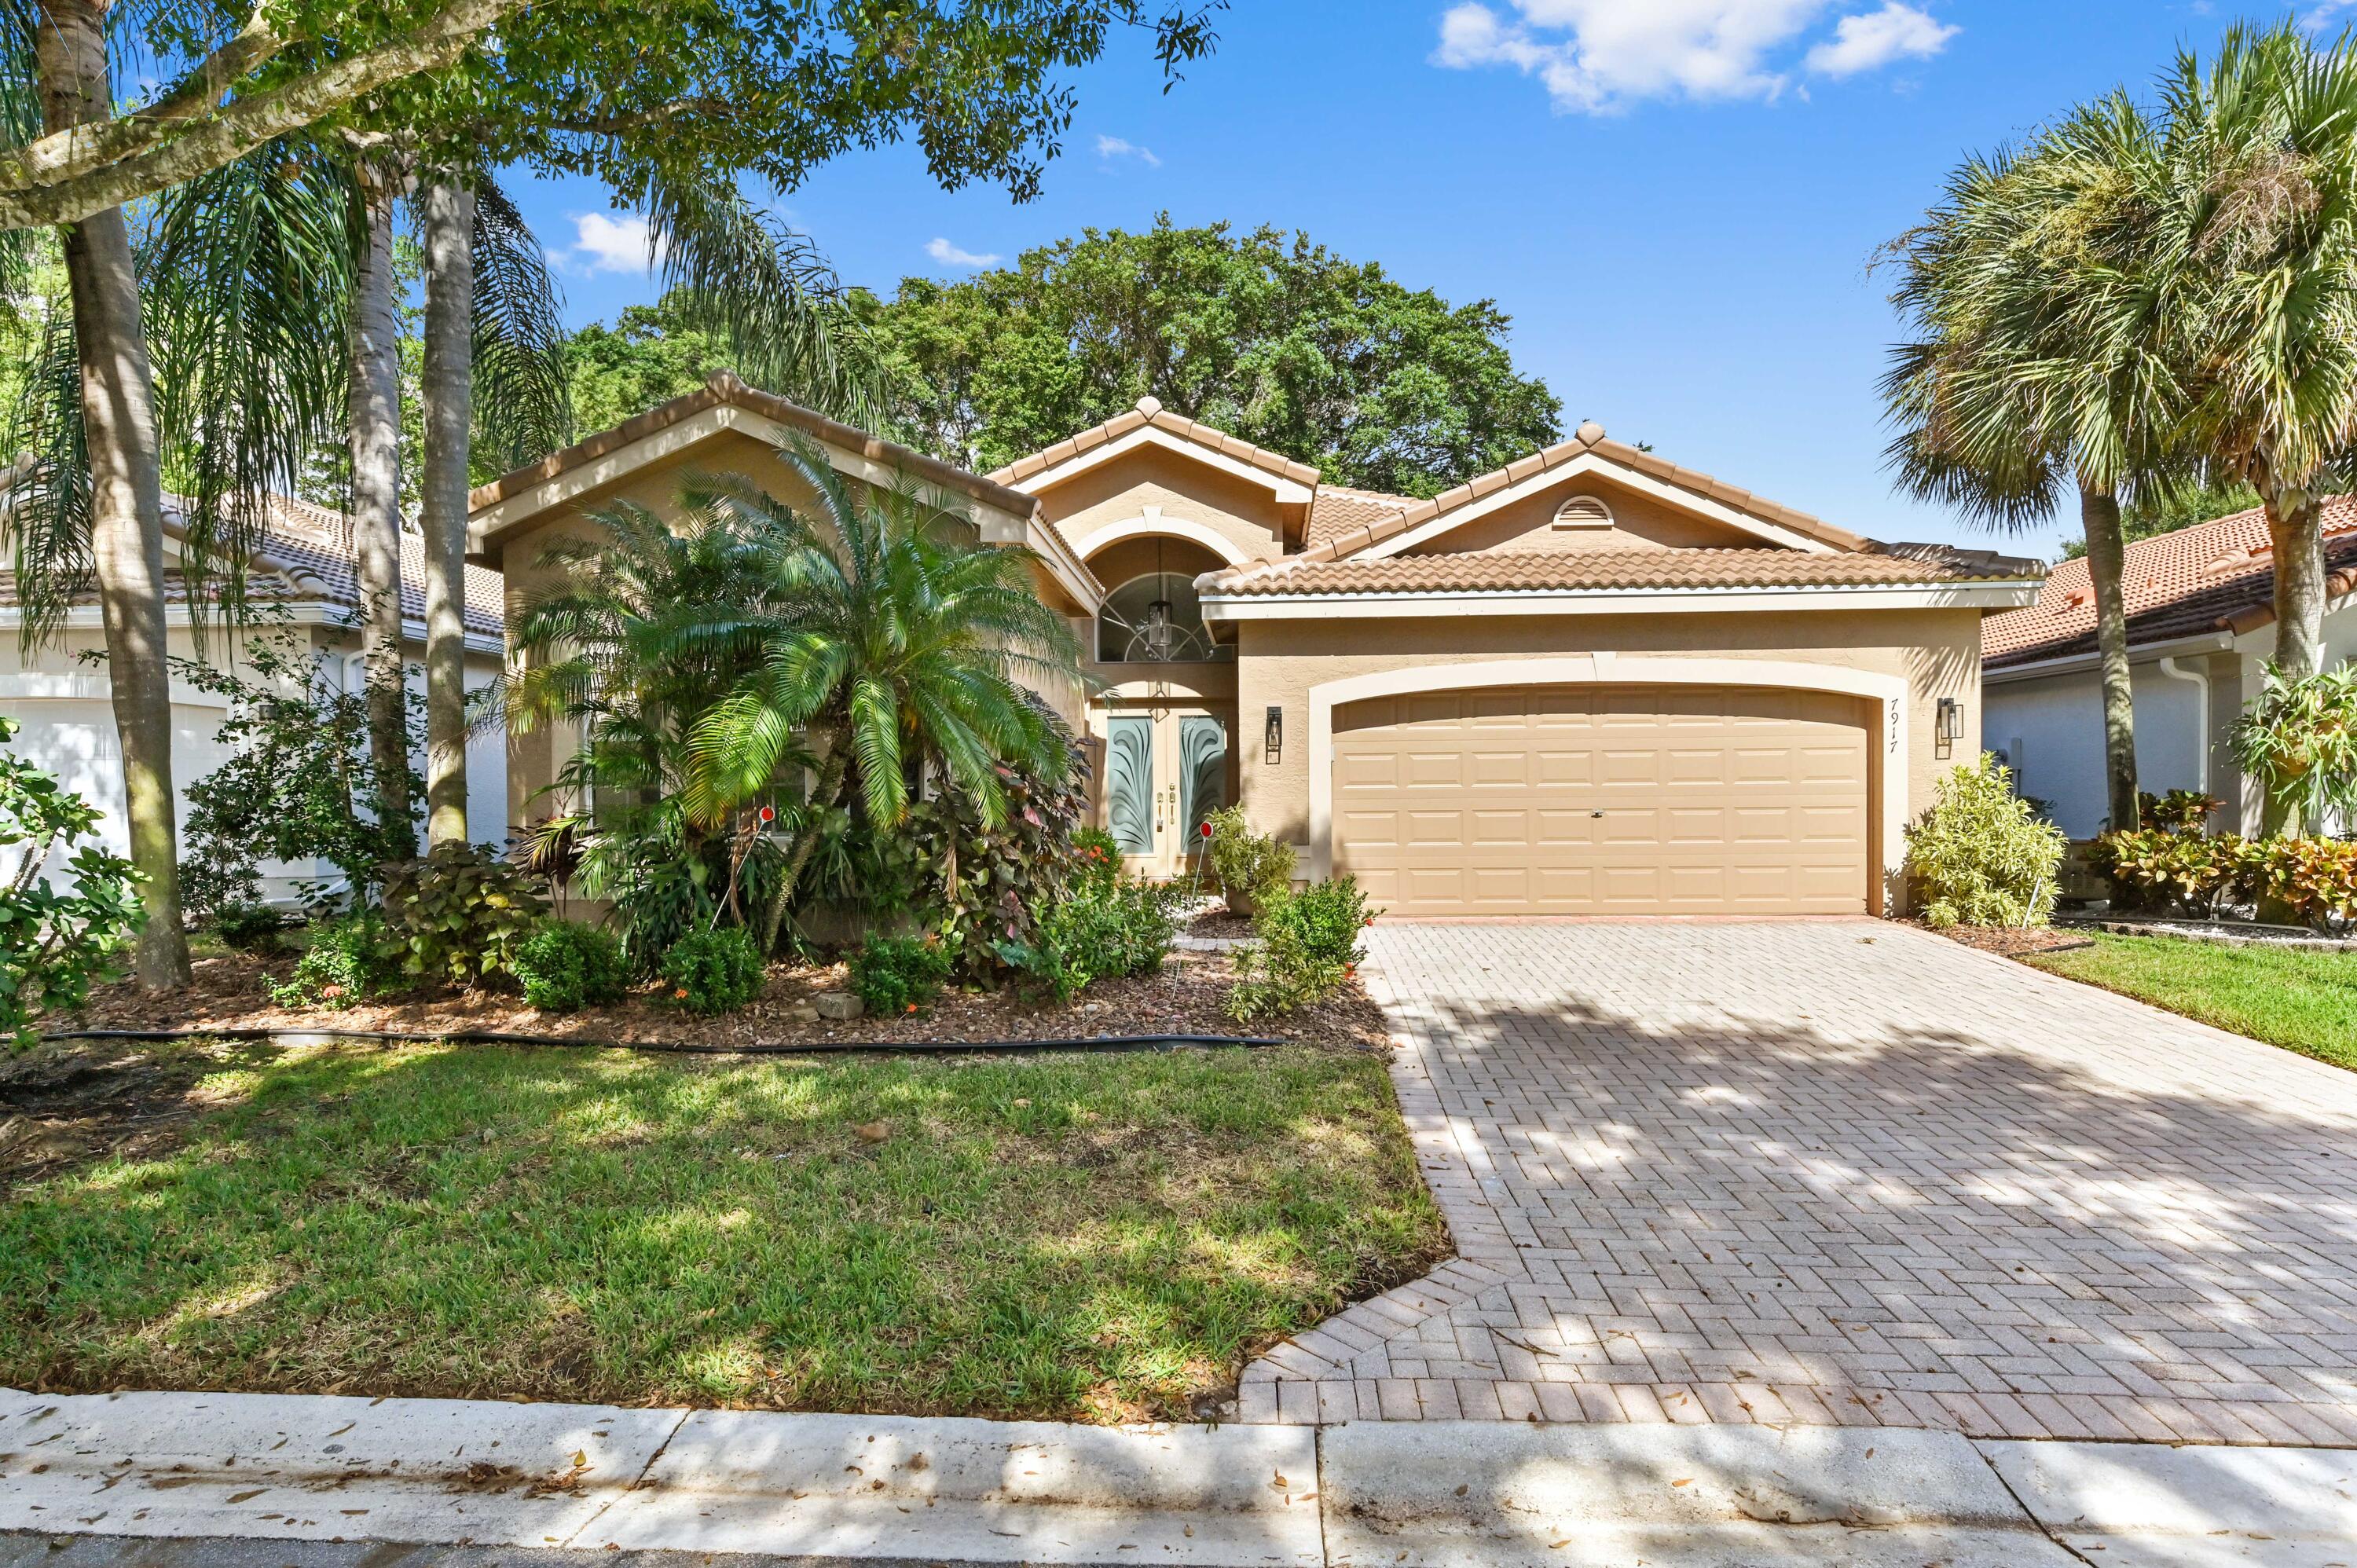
point(1595, 813)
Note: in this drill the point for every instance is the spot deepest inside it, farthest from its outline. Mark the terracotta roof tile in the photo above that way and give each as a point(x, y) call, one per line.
point(1336, 510)
point(1507, 571)
point(1149, 410)
point(2214, 577)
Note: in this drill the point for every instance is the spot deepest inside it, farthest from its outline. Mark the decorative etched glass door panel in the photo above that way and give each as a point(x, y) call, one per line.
point(1129, 784)
point(1202, 776)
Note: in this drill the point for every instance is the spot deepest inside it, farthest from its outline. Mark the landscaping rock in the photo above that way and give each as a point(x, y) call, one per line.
point(840, 1006)
point(802, 1012)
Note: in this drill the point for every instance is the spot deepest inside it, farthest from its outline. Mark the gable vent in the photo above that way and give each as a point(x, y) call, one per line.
point(1583, 511)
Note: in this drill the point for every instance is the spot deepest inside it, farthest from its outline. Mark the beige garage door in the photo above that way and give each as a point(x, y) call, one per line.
point(1604, 800)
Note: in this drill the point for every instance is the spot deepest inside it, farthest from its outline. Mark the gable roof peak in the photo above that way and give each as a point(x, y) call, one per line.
point(1149, 405)
point(1589, 432)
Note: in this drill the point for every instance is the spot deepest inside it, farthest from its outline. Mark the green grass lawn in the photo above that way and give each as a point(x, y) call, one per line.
point(2301, 999)
point(1084, 1236)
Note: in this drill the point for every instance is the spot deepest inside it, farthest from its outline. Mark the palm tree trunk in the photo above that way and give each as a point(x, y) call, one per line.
point(118, 410)
point(373, 410)
point(2099, 512)
point(2295, 528)
point(449, 399)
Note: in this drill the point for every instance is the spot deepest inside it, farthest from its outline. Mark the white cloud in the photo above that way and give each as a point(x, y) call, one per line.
point(1875, 39)
point(603, 244)
point(1599, 55)
point(1110, 147)
point(948, 255)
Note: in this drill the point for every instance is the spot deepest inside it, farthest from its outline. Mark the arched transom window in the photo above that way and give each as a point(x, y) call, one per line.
point(1155, 618)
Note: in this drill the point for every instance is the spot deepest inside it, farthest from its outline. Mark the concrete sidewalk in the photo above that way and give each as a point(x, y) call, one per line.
point(267, 1481)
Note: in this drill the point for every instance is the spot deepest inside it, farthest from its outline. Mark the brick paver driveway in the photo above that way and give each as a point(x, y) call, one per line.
point(1844, 1172)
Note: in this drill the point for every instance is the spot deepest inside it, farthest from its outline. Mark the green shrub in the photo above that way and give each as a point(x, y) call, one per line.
point(53, 945)
point(2316, 879)
point(1981, 855)
point(245, 927)
point(2299, 741)
point(565, 966)
point(2179, 812)
point(898, 974)
point(1096, 933)
point(1308, 949)
point(460, 914)
point(1249, 864)
point(714, 971)
point(351, 958)
point(1096, 859)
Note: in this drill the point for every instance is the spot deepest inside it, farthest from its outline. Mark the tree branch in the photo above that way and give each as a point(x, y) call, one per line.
point(72, 173)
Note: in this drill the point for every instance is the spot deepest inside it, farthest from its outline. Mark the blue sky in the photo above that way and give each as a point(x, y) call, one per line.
point(1676, 200)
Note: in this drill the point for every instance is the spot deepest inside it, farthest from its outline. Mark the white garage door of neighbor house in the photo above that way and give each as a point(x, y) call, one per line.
point(1605, 801)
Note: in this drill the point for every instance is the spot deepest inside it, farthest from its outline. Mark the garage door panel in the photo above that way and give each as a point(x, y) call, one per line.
point(1712, 801)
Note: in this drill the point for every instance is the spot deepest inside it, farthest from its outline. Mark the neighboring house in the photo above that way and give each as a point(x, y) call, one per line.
point(2200, 630)
point(305, 573)
point(1590, 683)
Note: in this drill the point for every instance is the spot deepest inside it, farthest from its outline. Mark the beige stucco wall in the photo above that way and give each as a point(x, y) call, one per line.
point(1526, 525)
point(1935, 653)
point(1246, 514)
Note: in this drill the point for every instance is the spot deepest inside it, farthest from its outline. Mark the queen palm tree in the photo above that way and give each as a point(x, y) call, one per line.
point(2043, 294)
point(887, 645)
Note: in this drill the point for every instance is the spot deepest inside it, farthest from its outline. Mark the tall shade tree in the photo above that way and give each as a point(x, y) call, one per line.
point(978, 76)
point(896, 647)
point(2041, 294)
point(2266, 139)
point(1264, 334)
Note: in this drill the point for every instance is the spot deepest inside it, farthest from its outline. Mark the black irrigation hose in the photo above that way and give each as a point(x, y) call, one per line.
point(758, 1049)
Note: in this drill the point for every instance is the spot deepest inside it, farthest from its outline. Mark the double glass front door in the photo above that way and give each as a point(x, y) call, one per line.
point(1164, 772)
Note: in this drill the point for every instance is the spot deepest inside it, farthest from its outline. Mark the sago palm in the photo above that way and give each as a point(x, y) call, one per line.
point(2043, 295)
point(888, 642)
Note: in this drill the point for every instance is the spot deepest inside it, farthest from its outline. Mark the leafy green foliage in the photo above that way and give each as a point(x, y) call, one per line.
point(899, 974)
point(565, 966)
point(1981, 855)
point(1099, 931)
point(1250, 867)
point(460, 914)
point(649, 356)
point(249, 928)
point(714, 971)
point(2316, 879)
point(300, 783)
point(2179, 812)
point(1096, 858)
point(2299, 740)
point(1309, 948)
point(975, 883)
point(1263, 335)
point(351, 958)
point(902, 650)
point(53, 945)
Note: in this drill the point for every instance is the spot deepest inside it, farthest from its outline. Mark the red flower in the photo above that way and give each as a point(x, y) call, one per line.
point(1205, 829)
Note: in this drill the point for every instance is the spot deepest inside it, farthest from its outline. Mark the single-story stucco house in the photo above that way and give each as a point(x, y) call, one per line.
point(1591, 683)
point(2202, 626)
point(306, 574)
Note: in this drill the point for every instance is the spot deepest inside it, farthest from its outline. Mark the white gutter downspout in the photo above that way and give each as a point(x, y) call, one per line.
point(2201, 678)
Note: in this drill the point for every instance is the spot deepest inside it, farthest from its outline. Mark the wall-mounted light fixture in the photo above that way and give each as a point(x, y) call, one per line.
point(1951, 726)
point(1271, 739)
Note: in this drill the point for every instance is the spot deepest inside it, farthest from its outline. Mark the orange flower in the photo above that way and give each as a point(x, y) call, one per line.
point(680, 995)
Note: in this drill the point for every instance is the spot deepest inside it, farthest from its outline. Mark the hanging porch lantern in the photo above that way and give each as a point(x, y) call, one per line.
point(1157, 629)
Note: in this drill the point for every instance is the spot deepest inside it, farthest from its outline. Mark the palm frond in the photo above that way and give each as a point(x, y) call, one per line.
point(742, 275)
point(46, 509)
point(244, 264)
point(523, 400)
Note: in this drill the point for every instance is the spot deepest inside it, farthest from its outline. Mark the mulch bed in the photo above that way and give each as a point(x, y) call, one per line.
point(2008, 942)
point(1187, 998)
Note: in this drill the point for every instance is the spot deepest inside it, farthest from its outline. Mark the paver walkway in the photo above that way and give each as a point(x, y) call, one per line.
point(1848, 1173)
